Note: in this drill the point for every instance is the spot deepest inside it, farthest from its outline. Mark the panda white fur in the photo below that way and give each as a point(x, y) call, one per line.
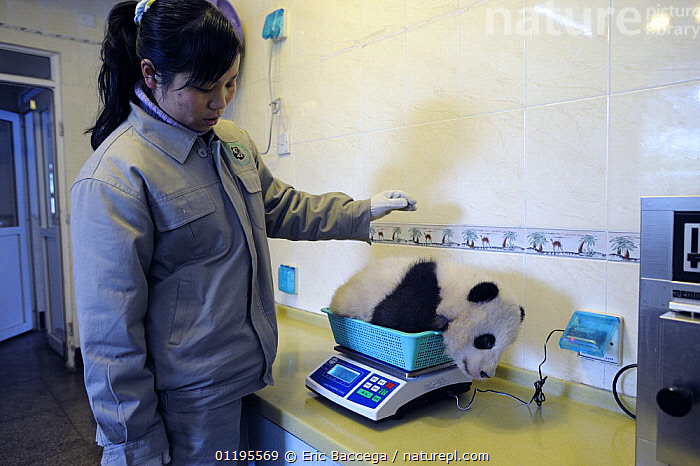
point(414, 295)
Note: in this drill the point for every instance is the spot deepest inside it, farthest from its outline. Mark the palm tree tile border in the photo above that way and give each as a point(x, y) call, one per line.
point(580, 244)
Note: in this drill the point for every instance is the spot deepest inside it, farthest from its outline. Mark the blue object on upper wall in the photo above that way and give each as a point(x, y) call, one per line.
point(589, 333)
point(274, 26)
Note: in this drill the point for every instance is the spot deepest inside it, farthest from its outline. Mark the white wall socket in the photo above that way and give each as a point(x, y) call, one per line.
point(283, 147)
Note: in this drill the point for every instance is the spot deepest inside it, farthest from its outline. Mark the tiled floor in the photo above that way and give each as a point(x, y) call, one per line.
point(45, 417)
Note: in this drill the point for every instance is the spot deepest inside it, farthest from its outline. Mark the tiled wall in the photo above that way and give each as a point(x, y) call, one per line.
point(534, 116)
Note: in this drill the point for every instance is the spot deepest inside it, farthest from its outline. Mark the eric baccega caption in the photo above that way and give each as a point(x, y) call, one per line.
point(376, 458)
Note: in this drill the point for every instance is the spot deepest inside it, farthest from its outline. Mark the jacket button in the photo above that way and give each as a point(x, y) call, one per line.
point(202, 153)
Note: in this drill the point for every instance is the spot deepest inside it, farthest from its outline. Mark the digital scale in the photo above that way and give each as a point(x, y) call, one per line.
point(377, 390)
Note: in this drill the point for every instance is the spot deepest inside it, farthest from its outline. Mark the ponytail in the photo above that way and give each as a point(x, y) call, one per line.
point(121, 69)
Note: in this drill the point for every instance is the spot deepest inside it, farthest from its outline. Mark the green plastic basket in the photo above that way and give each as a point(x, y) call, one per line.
point(409, 351)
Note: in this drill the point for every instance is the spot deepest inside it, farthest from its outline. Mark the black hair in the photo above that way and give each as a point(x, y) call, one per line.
point(190, 36)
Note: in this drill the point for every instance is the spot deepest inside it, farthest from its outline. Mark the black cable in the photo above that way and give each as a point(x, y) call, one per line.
point(614, 390)
point(538, 397)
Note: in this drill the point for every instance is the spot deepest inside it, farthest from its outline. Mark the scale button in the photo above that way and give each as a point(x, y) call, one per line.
point(382, 382)
point(389, 385)
point(332, 361)
point(376, 398)
point(374, 379)
point(368, 385)
point(364, 393)
point(375, 388)
point(383, 391)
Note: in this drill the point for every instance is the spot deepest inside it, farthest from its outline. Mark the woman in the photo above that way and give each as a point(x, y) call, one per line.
point(170, 219)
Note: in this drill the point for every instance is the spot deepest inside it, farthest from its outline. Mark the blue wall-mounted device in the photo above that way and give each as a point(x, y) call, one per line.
point(287, 279)
point(594, 336)
point(274, 27)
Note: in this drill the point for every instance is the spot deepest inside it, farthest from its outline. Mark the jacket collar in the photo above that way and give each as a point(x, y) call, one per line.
point(176, 142)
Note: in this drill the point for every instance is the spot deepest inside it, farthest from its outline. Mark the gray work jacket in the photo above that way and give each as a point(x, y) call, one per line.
point(154, 268)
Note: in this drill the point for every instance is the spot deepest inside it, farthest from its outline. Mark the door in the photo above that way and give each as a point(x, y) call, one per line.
point(15, 284)
point(46, 249)
point(36, 105)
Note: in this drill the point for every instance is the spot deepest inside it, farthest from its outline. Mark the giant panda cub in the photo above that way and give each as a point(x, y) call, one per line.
point(415, 295)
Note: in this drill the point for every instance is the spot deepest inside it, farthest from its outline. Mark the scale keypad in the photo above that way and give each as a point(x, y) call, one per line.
point(372, 392)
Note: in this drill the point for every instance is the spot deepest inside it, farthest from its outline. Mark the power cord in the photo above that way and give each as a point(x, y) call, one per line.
point(275, 104)
point(538, 397)
point(614, 390)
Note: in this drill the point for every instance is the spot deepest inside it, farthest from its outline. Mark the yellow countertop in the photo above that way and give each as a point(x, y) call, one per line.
point(563, 431)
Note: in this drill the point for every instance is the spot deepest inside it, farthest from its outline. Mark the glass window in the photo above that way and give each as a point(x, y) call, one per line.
point(8, 201)
point(24, 64)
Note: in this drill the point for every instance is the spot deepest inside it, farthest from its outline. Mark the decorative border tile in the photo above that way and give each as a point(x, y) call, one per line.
point(579, 244)
point(624, 246)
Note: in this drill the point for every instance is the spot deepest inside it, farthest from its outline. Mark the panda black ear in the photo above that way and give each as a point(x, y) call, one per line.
point(522, 314)
point(440, 323)
point(483, 292)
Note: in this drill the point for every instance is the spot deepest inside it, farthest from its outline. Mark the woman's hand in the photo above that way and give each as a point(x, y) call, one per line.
point(386, 201)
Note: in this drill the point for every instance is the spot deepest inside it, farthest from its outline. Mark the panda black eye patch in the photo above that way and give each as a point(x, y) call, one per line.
point(485, 341)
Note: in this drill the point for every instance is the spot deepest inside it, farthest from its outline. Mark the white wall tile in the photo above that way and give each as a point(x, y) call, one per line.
point(341, 25)
point(432, 160)
point(491, 58)
point(380, 18)
point(652, 44)
point(622, 300)
point(654, 142)
point(431, 72)
point(344, 167)
point(554, 289)
point(491, 175)
point(306, 31)
point(256, 61)
point(314, 292)
point(382, 84)
point(418, 11)
point(308, 109)
point(567, 50)
point(385, 156)
point(310, 167)
point(341, 94)
point(565, 165)
point(252, 112)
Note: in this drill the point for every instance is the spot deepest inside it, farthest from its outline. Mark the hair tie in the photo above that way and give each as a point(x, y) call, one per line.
point(141, 8)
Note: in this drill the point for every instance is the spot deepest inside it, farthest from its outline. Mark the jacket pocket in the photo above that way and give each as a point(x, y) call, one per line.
point(180, 318)
point(178, 211)
point(253, 197)
point(189, 227)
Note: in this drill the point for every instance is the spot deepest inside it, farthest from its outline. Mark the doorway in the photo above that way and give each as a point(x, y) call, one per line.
point(31, 276)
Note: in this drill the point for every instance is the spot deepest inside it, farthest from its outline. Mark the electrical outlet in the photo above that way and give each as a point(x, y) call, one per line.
point(283, 143)
point(594, 336)
point(287, 279)
point(613, 353)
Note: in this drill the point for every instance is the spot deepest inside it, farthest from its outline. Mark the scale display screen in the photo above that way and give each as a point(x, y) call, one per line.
point(343, 373)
